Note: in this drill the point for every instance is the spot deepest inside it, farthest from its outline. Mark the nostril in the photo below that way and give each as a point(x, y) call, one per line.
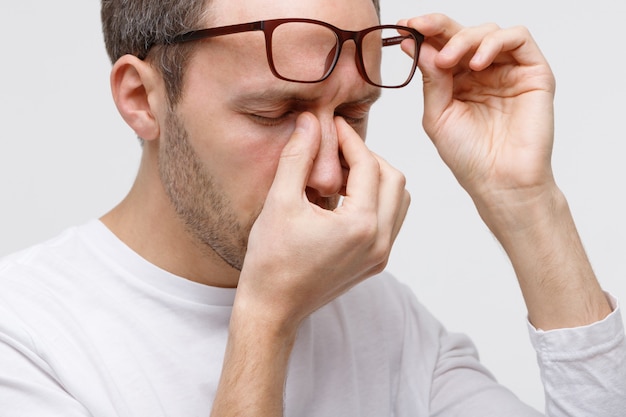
point(327, 202)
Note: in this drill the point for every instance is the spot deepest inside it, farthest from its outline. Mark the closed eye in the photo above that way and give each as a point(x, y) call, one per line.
point(354, 114)
point(271, 120)
point(353, 120)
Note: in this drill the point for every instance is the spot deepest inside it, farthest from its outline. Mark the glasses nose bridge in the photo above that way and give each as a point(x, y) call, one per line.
point(344, 36)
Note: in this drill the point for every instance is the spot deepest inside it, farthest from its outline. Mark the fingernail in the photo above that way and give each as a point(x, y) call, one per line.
point(477, 59)
point(303, 122)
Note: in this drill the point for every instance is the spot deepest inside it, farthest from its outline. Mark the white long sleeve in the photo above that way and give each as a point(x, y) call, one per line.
point(584, 369)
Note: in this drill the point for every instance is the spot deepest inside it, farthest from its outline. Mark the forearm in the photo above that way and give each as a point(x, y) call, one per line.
point(538, 233)
point(255, 367)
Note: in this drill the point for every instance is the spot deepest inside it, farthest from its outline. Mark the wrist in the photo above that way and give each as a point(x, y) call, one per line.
point(255, 364)
point(256, 315)
point(537, 231)
point(515, 214)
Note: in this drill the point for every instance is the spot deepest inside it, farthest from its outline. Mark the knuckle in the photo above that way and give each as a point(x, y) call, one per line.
point(490, 27)
point(398, 178)
point(374, 163)
point(407, 197)
point(379, 268)
point(520, 30)
point(367, 229)
point(438, 19)
point(477, 33)
point(380, 256)
point(295, 151)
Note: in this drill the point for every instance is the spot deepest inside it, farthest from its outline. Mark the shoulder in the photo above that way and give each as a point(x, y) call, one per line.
point(65, 252)
point(36, 283)
point(47, 254)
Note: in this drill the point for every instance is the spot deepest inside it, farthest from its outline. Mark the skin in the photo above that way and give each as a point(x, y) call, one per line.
point(232, 129)
point(496, 85)
point(262, 174)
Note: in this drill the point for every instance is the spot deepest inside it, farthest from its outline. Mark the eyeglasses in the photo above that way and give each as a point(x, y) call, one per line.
point(307, 51)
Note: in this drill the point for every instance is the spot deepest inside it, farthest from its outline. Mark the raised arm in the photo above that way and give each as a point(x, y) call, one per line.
point(489, 111)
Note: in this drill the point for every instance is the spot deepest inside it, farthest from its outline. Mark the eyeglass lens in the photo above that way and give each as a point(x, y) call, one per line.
point(305, 51)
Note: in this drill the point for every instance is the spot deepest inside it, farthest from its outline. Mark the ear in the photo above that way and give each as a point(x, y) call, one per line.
point(138, 92)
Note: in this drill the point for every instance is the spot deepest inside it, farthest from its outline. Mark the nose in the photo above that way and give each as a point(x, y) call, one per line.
point(326, 177)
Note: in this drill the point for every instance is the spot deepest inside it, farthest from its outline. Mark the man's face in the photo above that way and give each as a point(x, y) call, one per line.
point(221, 145)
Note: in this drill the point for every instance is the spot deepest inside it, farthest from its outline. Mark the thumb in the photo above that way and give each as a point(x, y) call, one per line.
point(297, 157)
point(438, 85)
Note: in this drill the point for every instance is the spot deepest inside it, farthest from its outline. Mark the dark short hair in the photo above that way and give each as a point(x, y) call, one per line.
point(142, 27)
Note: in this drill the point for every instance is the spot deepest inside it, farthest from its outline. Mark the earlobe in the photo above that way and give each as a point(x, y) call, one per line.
point(133, 85)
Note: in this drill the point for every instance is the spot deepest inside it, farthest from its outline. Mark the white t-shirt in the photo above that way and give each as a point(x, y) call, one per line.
point(89, 328)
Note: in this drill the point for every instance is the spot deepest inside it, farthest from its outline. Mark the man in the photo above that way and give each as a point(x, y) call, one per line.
point(242, 168)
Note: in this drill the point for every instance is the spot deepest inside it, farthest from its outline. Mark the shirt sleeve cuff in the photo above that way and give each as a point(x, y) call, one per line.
point(580, 342)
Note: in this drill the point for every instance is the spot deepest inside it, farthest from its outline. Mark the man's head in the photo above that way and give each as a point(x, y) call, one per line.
point(213, 142)
point(138, 27)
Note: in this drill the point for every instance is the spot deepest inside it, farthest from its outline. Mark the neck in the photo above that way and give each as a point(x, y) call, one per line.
point(146, 221)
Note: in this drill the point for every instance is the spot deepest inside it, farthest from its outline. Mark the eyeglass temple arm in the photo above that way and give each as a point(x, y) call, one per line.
point(396, 40)
point(195, 35)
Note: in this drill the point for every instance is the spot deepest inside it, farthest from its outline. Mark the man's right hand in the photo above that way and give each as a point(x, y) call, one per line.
point(302, 256)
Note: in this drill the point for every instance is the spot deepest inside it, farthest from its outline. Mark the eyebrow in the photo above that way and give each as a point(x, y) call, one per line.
point(278, 98)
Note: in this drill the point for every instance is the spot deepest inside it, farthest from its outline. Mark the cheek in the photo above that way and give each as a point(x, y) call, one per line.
point(242, 157)
point(254, 162)
point(239, 154)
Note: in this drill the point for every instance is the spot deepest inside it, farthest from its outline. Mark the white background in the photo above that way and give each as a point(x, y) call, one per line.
point(66, 156)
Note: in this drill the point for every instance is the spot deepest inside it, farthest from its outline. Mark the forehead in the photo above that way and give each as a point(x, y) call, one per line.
point(346, 14)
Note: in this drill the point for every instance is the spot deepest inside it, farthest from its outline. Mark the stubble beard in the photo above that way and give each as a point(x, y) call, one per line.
point(198, 200)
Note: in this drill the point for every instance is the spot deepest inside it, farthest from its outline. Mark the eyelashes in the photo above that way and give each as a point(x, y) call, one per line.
point(271, 121)
point(354, 121)
point(289, 116)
